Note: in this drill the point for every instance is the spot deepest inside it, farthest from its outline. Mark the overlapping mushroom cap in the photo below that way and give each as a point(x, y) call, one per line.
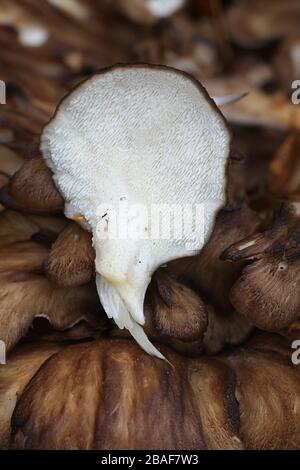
point(148, 137)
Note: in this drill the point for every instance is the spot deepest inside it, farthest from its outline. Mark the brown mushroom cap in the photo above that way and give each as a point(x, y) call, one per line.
point(26, 293)
point(190, 405)
point(175, 314)
point(23, 296)
point(72, 257)
point(282, 234)
point(180, 300)
point(226, 402)
point(266, 292)
point(32, 189)
point(268, 388)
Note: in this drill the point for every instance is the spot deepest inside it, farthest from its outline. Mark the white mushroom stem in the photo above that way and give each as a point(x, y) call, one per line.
point(146, 137)
point(116, 308)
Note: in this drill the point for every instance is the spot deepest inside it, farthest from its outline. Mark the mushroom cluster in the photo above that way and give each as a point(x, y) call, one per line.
point(108, 339)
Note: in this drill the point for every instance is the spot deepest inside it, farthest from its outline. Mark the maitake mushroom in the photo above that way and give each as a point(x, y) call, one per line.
point(73, 378)
point(225, 402)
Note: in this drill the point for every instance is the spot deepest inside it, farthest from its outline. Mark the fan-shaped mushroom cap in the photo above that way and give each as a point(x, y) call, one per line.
point(149, 136)
point(25, 293)
point(175, 314)
point(268, 387)
point(202, 403)
point(72, 257)
point(266, 292)
point(190, 406)
point(31, 188)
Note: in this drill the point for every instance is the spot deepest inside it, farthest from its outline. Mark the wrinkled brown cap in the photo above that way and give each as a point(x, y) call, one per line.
point(190, 405)
point(25, 295)
point(268, 388)
point(175, 314)
point(226, 402)
point(72, 257)
point(26, 292)
point(266, 292)
point(32, 189)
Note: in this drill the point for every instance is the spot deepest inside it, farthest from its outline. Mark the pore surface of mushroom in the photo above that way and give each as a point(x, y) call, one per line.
point(126, 141)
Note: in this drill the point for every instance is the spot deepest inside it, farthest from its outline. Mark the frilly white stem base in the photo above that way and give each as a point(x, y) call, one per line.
point(115, 308)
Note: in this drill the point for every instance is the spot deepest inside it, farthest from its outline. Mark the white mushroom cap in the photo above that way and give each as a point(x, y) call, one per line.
point(147, 135)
